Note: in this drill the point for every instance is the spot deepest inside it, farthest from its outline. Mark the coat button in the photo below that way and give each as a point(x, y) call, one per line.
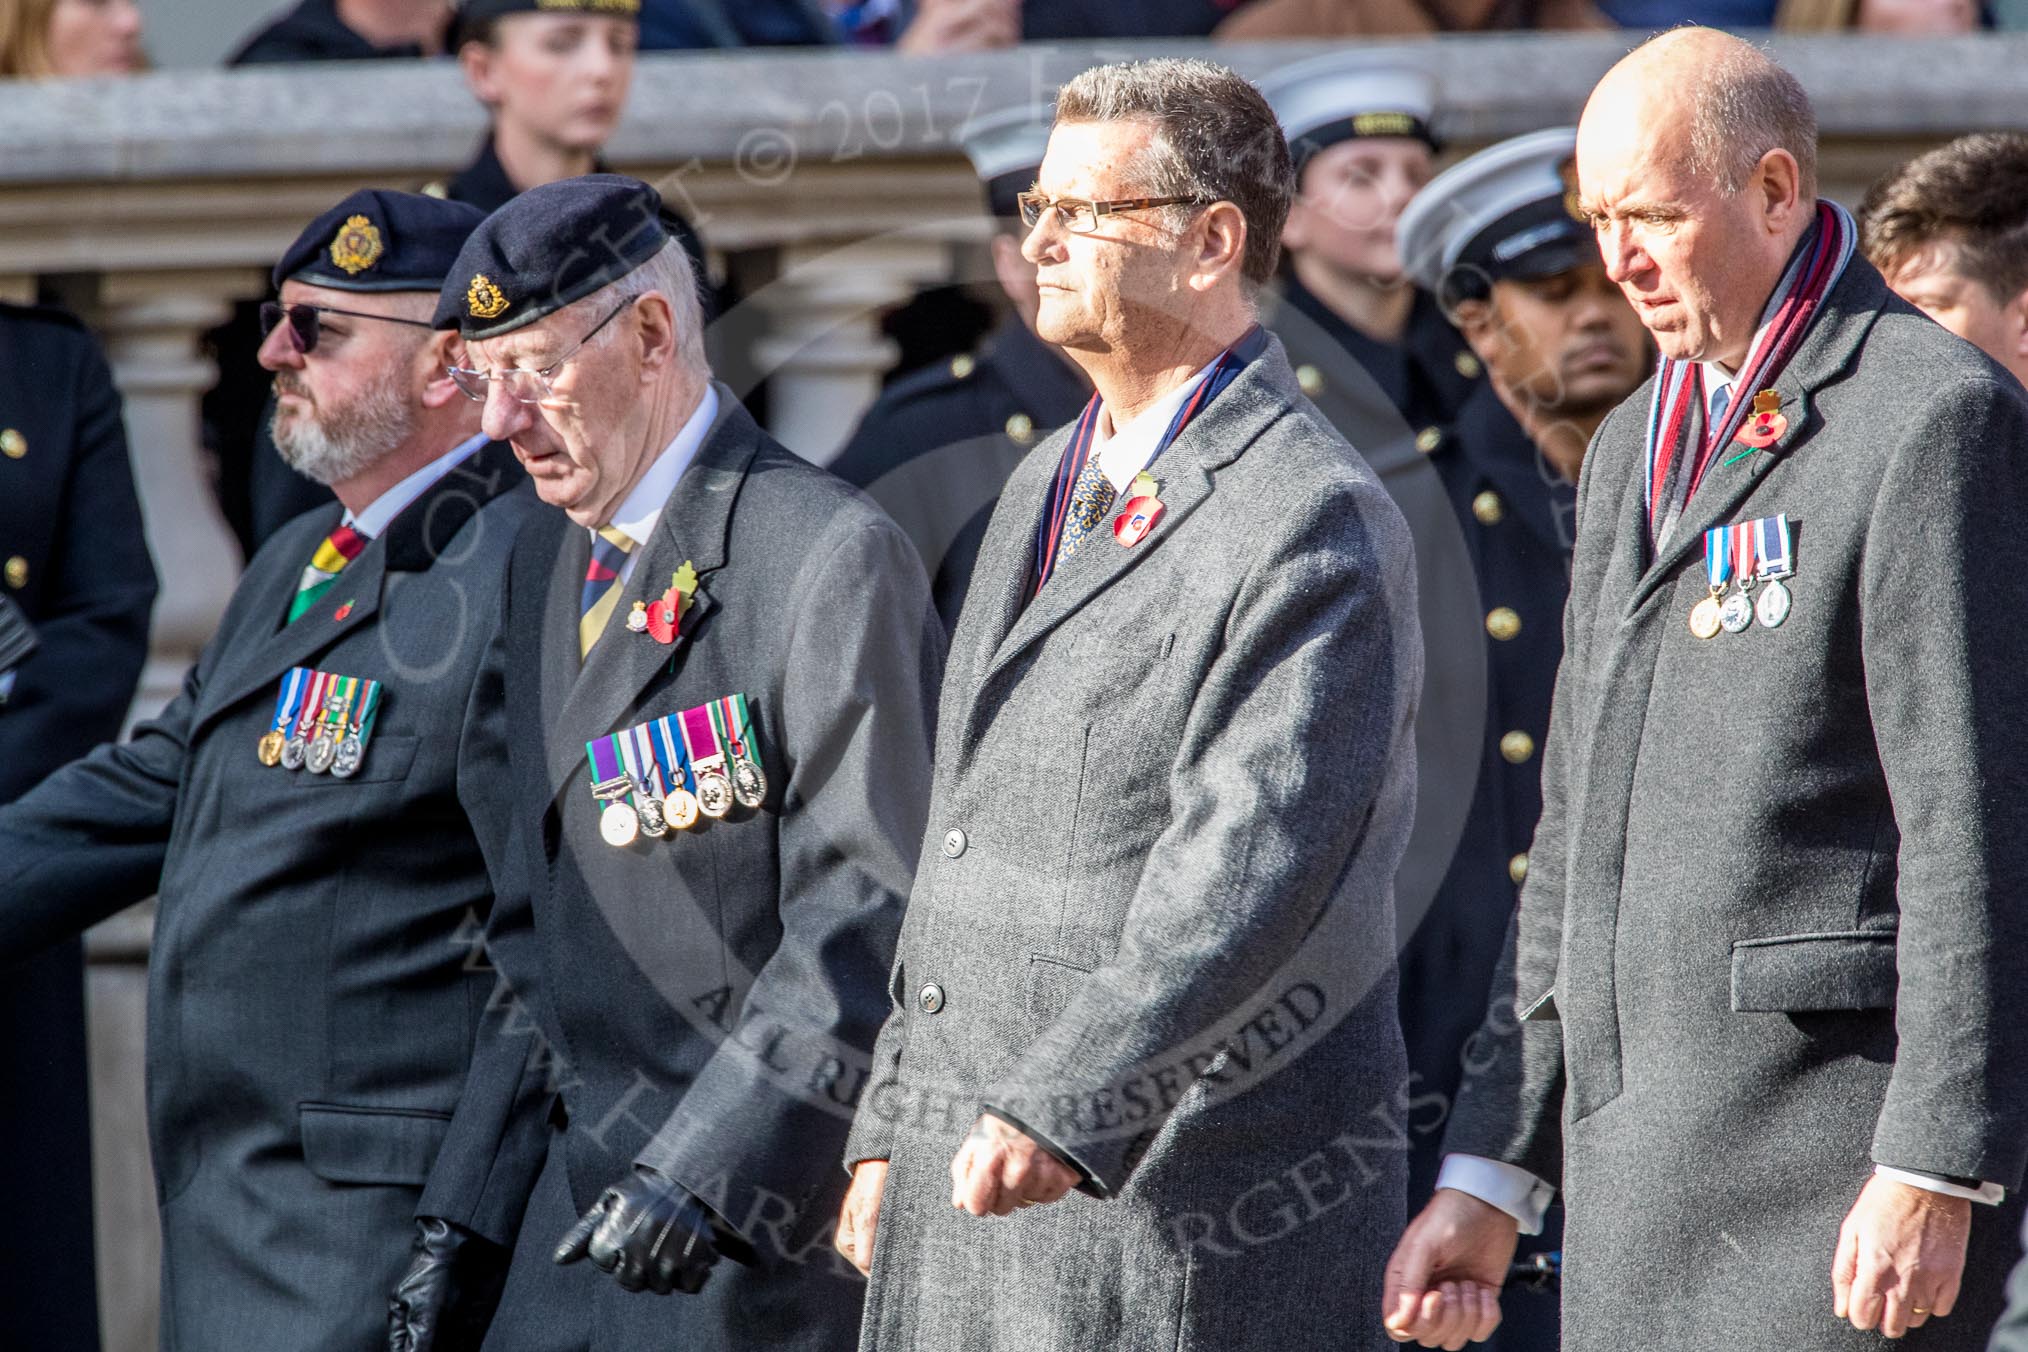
point(12, 444)
point(1488, 508)
point(931, 998)
point(17, 572)
point(963, 365)
point(1429, 439)
point(1467, 365)
point(1021, 429)
point(1502, 623)
point(1517, 747)
point(1309, 380)
point(954, 843)
point(1517, 868)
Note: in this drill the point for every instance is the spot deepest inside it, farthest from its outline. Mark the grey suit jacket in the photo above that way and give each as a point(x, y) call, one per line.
point(1780, 874)
point(311, 1010)
point(1154, 916)
point(705, 1003)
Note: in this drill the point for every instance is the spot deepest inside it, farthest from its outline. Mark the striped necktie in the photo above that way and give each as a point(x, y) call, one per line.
point(340, 547)
point(610, 548)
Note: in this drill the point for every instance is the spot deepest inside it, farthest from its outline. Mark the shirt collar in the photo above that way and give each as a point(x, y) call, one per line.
point(1129, 449)
point(641, 509)
point(389, 505)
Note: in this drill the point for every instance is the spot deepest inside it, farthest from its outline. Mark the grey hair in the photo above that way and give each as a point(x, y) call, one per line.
point(670, 272)
point(1747, 106)
point(1216, 140)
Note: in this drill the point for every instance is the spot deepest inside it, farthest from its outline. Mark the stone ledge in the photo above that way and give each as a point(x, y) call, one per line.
point(841, 109)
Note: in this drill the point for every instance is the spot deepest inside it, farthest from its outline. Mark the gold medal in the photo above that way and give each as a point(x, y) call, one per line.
point(680, 808)
point(270, 751)
point(1706, 619)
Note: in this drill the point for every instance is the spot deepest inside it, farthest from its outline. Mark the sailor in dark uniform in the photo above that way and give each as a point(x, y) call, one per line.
point(1496, 240)
point(1361, 137)
point(937, 445)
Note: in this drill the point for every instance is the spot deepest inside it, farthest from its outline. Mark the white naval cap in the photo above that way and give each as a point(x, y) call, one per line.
point(1005, 149)
point(1508, 211)
point(1334, 98)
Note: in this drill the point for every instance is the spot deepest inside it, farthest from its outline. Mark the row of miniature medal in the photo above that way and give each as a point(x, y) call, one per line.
point(1739, 556)
point(669, 772)
point(322, 723)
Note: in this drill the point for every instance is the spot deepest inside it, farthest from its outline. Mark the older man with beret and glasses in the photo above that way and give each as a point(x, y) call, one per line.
point(720, 665)
point(308, 812)
point(1144, 1010)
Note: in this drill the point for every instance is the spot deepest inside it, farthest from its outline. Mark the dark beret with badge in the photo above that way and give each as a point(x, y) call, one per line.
point(1346, 96)
point(549, 247)
point(1508, 212)
point(380, 240)
point(1005, 149)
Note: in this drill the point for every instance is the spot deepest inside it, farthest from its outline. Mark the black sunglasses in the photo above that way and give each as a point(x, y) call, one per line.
point(303, 321)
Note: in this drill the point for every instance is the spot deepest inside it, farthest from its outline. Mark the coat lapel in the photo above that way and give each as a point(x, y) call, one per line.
point(1832, 343)
point(1261, 394)
point(693, 528)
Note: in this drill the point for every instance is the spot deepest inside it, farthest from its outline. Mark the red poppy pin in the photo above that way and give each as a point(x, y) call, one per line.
point(1134, 522)
point(339, 615)
point(662, 618)
point(1765, 425)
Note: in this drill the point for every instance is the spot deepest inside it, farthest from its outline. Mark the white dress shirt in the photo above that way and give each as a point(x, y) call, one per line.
point(640, 511)
point(1128, 450)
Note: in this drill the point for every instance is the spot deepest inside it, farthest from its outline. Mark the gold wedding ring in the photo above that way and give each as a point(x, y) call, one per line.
point(1917, 1309)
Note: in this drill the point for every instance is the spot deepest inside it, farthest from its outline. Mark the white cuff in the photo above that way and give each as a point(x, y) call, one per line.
point(1507, 1186)
point(1992, 1194)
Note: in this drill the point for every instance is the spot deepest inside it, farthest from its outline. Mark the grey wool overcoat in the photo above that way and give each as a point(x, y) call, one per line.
point(1153, 920)
point(1781, 881)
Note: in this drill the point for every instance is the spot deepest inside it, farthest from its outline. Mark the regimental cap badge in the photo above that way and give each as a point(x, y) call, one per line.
point(357, 245)
point(485, 299)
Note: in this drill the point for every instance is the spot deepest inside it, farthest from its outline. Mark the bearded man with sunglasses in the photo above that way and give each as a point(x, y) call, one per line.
point(307, 810)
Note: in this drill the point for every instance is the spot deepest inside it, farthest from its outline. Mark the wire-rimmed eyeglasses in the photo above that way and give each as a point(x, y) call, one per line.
point(522, 384)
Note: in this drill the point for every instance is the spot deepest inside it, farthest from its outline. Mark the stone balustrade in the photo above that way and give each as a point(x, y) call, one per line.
point(827, 183)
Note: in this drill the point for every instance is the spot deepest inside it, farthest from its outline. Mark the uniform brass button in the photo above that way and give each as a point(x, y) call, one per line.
point(1468, 365)
point(1517, 747)
point(1021, 429)
point(12, 444)
point(1502, 623)
point(1488, 508)
point(954, 843)
point(962, 365)
point(1309, 380)
point(1517, 868)
point(1429, 439)
point(931, 998)
point(17, 572)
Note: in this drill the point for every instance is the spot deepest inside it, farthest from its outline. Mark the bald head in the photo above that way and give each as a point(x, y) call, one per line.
point(1714, 100)
point(1696, 162)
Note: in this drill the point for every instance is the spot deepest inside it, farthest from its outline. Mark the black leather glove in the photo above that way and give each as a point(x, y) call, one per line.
point(649, 1233)
point(446, 1299)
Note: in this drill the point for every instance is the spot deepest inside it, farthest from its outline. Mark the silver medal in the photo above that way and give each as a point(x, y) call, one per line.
point(323, 751)
point(619, 824)
point(294, 751)
point(654, 821)
point(1774, 603)
point(1735, 612)
point(351, 752)
point(714, 794)
point(749, 785)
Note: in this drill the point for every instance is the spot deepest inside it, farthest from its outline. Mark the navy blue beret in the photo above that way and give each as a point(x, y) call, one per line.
point(548, 247)
point(377, 240)
point(477, 11)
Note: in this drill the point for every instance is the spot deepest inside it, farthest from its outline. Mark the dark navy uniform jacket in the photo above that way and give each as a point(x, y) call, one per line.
point(936, 447)
point(77, 564)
